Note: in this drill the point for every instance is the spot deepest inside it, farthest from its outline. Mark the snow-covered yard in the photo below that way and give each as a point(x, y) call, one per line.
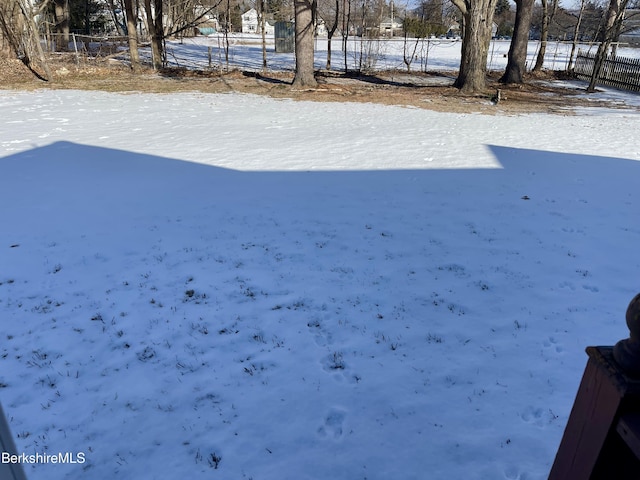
point(245, 52)
point(231, 286)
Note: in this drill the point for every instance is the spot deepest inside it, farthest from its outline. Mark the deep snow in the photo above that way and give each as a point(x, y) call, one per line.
point(230, 286)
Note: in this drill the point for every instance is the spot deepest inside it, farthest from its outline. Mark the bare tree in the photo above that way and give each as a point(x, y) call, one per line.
point(113, 9)
point(262, 20)
point(547, 16)
point(61, 16)
point(477, 19)
point(227, 28)
point(614, 18)
point(187, 16)
point(156, 31)
point(19, 30)
point(576, 34)
point(330, 9)
point(346, 25)
point(132, 34)
point(304, 15)
point(517, 56)
point(418, 29)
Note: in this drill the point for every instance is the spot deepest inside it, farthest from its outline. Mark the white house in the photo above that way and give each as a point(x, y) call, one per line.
point(390, 27)
point(250, 23)
point(321, 28)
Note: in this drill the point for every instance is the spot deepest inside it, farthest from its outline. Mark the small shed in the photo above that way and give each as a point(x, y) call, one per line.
point(284, 37)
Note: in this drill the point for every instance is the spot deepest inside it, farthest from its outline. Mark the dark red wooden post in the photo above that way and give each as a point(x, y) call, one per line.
point(602, 436)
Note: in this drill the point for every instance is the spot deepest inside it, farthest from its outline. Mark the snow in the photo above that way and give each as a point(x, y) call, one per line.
point(232, 286)
point(431, 54)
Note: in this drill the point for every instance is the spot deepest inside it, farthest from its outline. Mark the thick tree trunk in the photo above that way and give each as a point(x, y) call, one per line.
point(159, 31)
point(132, 35)
point(477, 18)
point(517, 57)
point(61, 13)
point(304, 44)
point(152, 27)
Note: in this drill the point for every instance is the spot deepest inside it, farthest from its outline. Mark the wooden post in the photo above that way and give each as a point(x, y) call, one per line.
point(598, 442)
point(8, 470)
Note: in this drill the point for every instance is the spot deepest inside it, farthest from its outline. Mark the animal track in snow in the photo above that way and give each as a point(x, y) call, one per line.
point(537, 416)
point(333, 424)
point(532, 415)
point(514, 473)
point(552, 343)
point(334, 363)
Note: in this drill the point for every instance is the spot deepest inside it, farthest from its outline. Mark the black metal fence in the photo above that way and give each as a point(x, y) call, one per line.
point(619, 72)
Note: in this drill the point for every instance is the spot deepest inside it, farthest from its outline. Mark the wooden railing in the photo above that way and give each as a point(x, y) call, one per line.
point(602, 438)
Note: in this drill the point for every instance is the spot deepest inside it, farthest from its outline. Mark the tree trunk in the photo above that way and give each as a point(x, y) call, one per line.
point(159, 31)
point(132, 34)
point(615, 15)
point(227, 26)
point(304, 44)
point(263, 33)
point(20, 32)
point(330, 33)
point(576, 34)
point(517, 57)
point(477, 16)
point(152, 28)
point(61, 13)
point(346, 22)
point(120, 28)
point(544, 35)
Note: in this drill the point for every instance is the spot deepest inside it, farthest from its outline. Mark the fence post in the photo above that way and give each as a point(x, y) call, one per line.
point(602, 436)
point(8, 470)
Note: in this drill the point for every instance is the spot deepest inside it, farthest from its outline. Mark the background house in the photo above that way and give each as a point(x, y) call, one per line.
point(390, 27)
point(250, 23)
point(209, 23)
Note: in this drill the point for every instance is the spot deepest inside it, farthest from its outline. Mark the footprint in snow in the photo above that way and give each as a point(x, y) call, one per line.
point(514, 473)
point(333, 424)
point(335, 364)
point(532, 415)
point(552, 343)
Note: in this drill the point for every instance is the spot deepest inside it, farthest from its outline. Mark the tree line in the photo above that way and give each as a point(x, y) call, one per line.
point(475, 21)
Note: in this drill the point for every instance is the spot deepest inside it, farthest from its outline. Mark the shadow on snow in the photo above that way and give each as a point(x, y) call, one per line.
point(72, 188)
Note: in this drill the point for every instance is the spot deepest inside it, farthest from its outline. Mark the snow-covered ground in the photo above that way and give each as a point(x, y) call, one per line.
point(245, 52)
point(231, 286)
